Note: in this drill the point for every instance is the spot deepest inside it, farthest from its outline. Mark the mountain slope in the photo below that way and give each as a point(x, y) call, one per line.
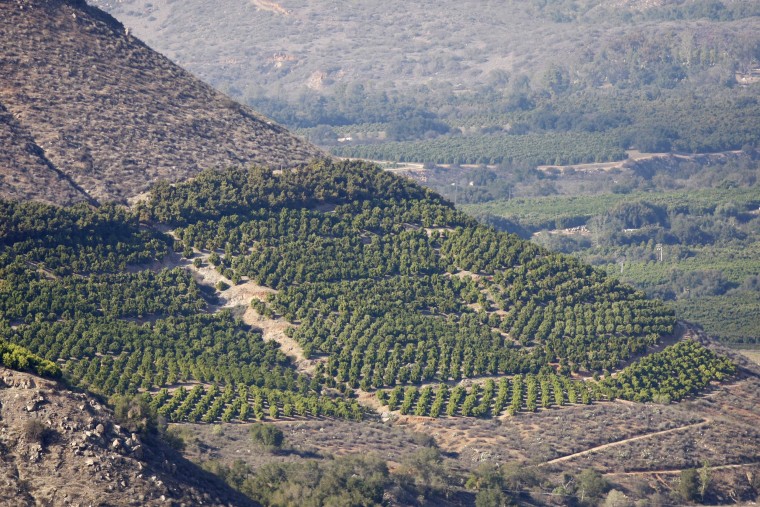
point(61, 447)
point(400, 303)
point(447, 47)
point(25, 171)
point(111, 114)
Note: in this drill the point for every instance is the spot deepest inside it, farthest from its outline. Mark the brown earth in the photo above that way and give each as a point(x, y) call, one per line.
point(23, 165)
point(636, 446)
point(87, 111)
point(60, 447)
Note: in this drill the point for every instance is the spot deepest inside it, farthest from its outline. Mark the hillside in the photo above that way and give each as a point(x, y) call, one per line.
point(330, 47)
point(681, 228)
point(27, 172)
point(91, 113)
point(336, 297)
point(62, 447)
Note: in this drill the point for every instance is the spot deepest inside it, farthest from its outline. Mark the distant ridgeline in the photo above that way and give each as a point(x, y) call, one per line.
point(384, 282)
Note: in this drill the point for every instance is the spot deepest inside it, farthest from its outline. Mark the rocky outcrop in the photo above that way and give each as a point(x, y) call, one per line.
point(60, 447)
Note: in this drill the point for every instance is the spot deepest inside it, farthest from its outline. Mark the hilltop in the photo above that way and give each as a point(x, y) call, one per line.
point(90, 113)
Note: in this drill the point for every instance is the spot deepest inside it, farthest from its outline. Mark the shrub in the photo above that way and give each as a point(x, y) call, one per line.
point(688, 485)
point(174, 437)
point(267, 435)
point(36, 431)
point(135, 413)
point(591, 484)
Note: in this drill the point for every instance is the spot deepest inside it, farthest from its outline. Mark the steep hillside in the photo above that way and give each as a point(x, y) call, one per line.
point(61, 447)
point(377, 282)
point(90, 112)
point(413, 355)
point(26, 172)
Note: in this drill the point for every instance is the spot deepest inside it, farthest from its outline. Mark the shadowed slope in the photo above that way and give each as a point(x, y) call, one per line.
point(25, 173)
point(62, 447)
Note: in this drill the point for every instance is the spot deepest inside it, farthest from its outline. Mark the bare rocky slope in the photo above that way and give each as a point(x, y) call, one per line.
point(58, 447)
point(87, 111)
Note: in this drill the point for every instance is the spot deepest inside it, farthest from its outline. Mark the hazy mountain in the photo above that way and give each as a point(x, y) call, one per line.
point(340, 63)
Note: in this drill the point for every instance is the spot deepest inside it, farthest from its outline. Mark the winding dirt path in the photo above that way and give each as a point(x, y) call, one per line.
point(622, 442)
point(274, 330)
point(240, 296)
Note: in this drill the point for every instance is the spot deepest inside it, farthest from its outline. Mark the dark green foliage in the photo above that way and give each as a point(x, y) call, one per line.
point(485, 475)
point(387, 281)
point(373, 274)
point(581, 127)
point(140, 295)
point(490, 497)
point(425, 467)
point(701, 211)
point(534, 149)
point(591, 485)
point(351, 480)
point(488, 399)
point(266, 435)
point(243, 403)
point(678, 371)
point(516, 476)
point(78, 239)
point(241, 191)
point(355, 480)
point(123, 355)
point(731, 317)
point(688, 485)
point(62, 295)
point(135, 413)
